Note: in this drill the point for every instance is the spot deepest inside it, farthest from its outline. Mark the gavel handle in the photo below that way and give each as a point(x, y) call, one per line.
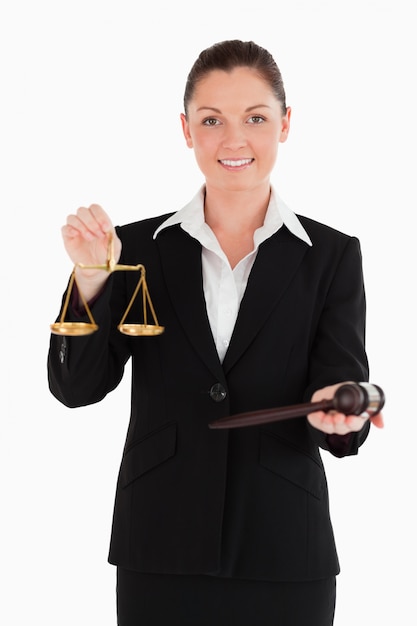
point(265, 416)
point(350, 398)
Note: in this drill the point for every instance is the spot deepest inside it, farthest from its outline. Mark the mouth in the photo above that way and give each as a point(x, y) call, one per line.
point(236, 163)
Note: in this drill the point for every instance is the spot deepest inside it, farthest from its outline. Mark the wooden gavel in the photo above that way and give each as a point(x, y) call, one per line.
point(361, 399)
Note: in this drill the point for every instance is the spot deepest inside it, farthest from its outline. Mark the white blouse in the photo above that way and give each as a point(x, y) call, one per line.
point(223, 286)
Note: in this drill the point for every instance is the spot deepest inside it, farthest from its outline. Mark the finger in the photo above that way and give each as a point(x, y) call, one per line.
point(69, 232)
point(330, 428)
point(332, 422)
point(80, 225)
point(355, 422)
point(324, 422)
point(333, 418)
point(94, 219)
point(89, 222)
point(101, 218)
point(349, 424)
point(377, 420)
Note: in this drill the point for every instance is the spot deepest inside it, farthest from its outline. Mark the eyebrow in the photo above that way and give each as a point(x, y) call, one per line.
point(251, 108)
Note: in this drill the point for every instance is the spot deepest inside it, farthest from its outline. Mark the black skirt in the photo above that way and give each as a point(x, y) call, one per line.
point(154, 599)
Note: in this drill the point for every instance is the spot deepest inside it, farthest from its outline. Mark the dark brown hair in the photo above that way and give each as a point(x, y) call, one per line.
point(227, 55)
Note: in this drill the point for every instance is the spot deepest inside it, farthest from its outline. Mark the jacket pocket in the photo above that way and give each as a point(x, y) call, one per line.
point(157, 447)
point(290, 463)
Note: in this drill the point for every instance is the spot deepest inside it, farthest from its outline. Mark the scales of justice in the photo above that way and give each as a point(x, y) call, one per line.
point(77, 329)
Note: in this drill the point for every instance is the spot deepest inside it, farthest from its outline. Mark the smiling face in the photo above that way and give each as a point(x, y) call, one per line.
point(234, 123)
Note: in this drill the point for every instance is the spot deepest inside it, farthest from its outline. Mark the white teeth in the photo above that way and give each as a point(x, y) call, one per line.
point(236, 163)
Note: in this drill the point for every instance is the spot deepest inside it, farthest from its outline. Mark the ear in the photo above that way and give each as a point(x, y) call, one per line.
point(285, 126)
point(186, 130)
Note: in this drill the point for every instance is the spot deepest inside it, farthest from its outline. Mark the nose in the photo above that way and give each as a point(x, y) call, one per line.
point(234, 137)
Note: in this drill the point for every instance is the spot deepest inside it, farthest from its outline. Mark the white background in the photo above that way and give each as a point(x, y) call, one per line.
point(91, 93)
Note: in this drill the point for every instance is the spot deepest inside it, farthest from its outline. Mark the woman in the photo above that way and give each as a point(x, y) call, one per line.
point(261, 308)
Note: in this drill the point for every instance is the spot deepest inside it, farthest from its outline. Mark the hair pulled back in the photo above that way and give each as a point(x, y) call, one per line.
point(227, 55)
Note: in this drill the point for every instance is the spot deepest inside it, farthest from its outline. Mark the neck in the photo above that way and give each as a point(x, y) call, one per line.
point(236, 211)
point(234, 217)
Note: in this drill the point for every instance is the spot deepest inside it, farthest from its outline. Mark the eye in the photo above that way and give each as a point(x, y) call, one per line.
point(210, 121)
point(256, 119)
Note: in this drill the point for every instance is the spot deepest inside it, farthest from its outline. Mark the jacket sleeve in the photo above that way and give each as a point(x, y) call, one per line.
point(338, 353)
point(82, 370)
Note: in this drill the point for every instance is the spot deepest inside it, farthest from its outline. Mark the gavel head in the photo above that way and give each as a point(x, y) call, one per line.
point(359, 399)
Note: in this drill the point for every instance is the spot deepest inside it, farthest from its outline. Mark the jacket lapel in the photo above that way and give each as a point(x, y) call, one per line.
point(276, 263)
point(181, 264)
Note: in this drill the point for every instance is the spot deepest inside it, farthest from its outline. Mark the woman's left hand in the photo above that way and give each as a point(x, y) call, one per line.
point(333, 422)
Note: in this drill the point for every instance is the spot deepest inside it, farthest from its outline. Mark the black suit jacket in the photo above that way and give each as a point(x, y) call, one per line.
point(250, 502)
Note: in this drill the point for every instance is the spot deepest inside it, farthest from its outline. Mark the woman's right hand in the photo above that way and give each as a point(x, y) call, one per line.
point(86, 239)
